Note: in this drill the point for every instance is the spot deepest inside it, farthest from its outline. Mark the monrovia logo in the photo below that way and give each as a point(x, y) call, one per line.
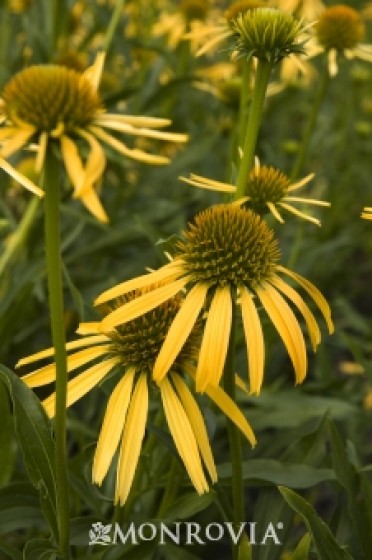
point(185, 533)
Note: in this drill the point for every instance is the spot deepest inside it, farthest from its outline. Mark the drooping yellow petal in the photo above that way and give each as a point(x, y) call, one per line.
point(134, 153)
point(136, 120)
point(95, 164)
point(167, 273)
point(287, 326)
point(92, 202)
point(141, 131)
point(314, 293)
point(81, 384)
point(254, 340)
point(179, 330)
point(183, 436)
point(141, 305)
point(24, 181)
point(311, 323)
point(49, 352)
point(41, 153)
point(215, 341)
point(214, 41)
point(298, 184)
point(47, 374)
point(300, 214)
point(112, 427)
point(17, 141)
point(273, 209)
point(133, 434)
point(197, 424)
point(209, 184)
point(72, 161)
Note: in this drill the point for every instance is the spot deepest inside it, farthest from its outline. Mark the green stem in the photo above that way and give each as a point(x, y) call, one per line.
point(309, 129)
point(254, 120)
point(244, 101)
point(58, 15)
point(55, 288)
point(115, 18)
point(235, 441)
point(18, 238)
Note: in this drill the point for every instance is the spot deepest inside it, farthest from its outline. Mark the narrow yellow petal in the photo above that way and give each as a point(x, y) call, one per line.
point(313, 291)
point(24, 181)
point(47, 374)
point(95, 164)
point(209, 184)
point(135, 120)
point(313, 201)
point(215, 340)
point(112, 426)
point(73, 163)
point(140, 131)
point(141, 305)
point(49, 352)
point(300, 214)
point(273, 209)
point(179, 330)
point(183, 436)
point(311, 323)
point(94, 73)
point(166, 273)
point(254, 340)
point(16, 142)
point(197, 424)
point(209, 45)
point(133, 435)
point(287, 326)
point(92, 202)
point(88, 328)
point(134, 153)
point(40, 158)
point(81, 384)
point(301, 183)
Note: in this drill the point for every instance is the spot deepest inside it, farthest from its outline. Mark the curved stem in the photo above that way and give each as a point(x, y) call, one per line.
point(18, 238)
point(304, 148)
point(235, 441)
point(254, 120)
point(54, 275)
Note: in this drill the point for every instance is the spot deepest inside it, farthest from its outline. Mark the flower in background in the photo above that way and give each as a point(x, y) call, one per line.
point(309, 10)
point(132, 349)
point(267, 188)
point(339, 32)
point(50, 104)
point(367, 213)
point(227, 254)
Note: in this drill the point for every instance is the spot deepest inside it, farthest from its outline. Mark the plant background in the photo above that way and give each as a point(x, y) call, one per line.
point(315, 439)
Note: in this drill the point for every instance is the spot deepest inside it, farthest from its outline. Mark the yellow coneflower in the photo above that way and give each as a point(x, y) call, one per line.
point(132, 350)
point(367, 213)
point(267, 188)
point(339, 31)
point(228, 253)
point(54, 104)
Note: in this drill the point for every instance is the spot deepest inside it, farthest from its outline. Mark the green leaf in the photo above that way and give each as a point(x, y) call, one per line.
point(35, 439)
point(358, 490)
point(10, 552)
point(8, 445)
point(20, 508)
point(40, 549)
point(324, 541)
point(189, 505)
point(275, 472)
point(303, 548)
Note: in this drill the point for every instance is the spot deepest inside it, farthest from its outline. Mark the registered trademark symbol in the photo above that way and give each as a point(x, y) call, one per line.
point(279, 525)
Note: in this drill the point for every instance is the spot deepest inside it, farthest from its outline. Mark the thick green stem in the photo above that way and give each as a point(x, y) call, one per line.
point(254, 120)
point(115, 18)
point(19, 237)
point(54, 274)
point(310, 126)
point(235, 441)
point(244, 101)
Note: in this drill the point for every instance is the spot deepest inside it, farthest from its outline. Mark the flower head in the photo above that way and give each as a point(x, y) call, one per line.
point(55, 104)
point(131, 349)
point(228, 254)
point(339, 31)
point(267, 189)
point(367, 213)
point(267, 34)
